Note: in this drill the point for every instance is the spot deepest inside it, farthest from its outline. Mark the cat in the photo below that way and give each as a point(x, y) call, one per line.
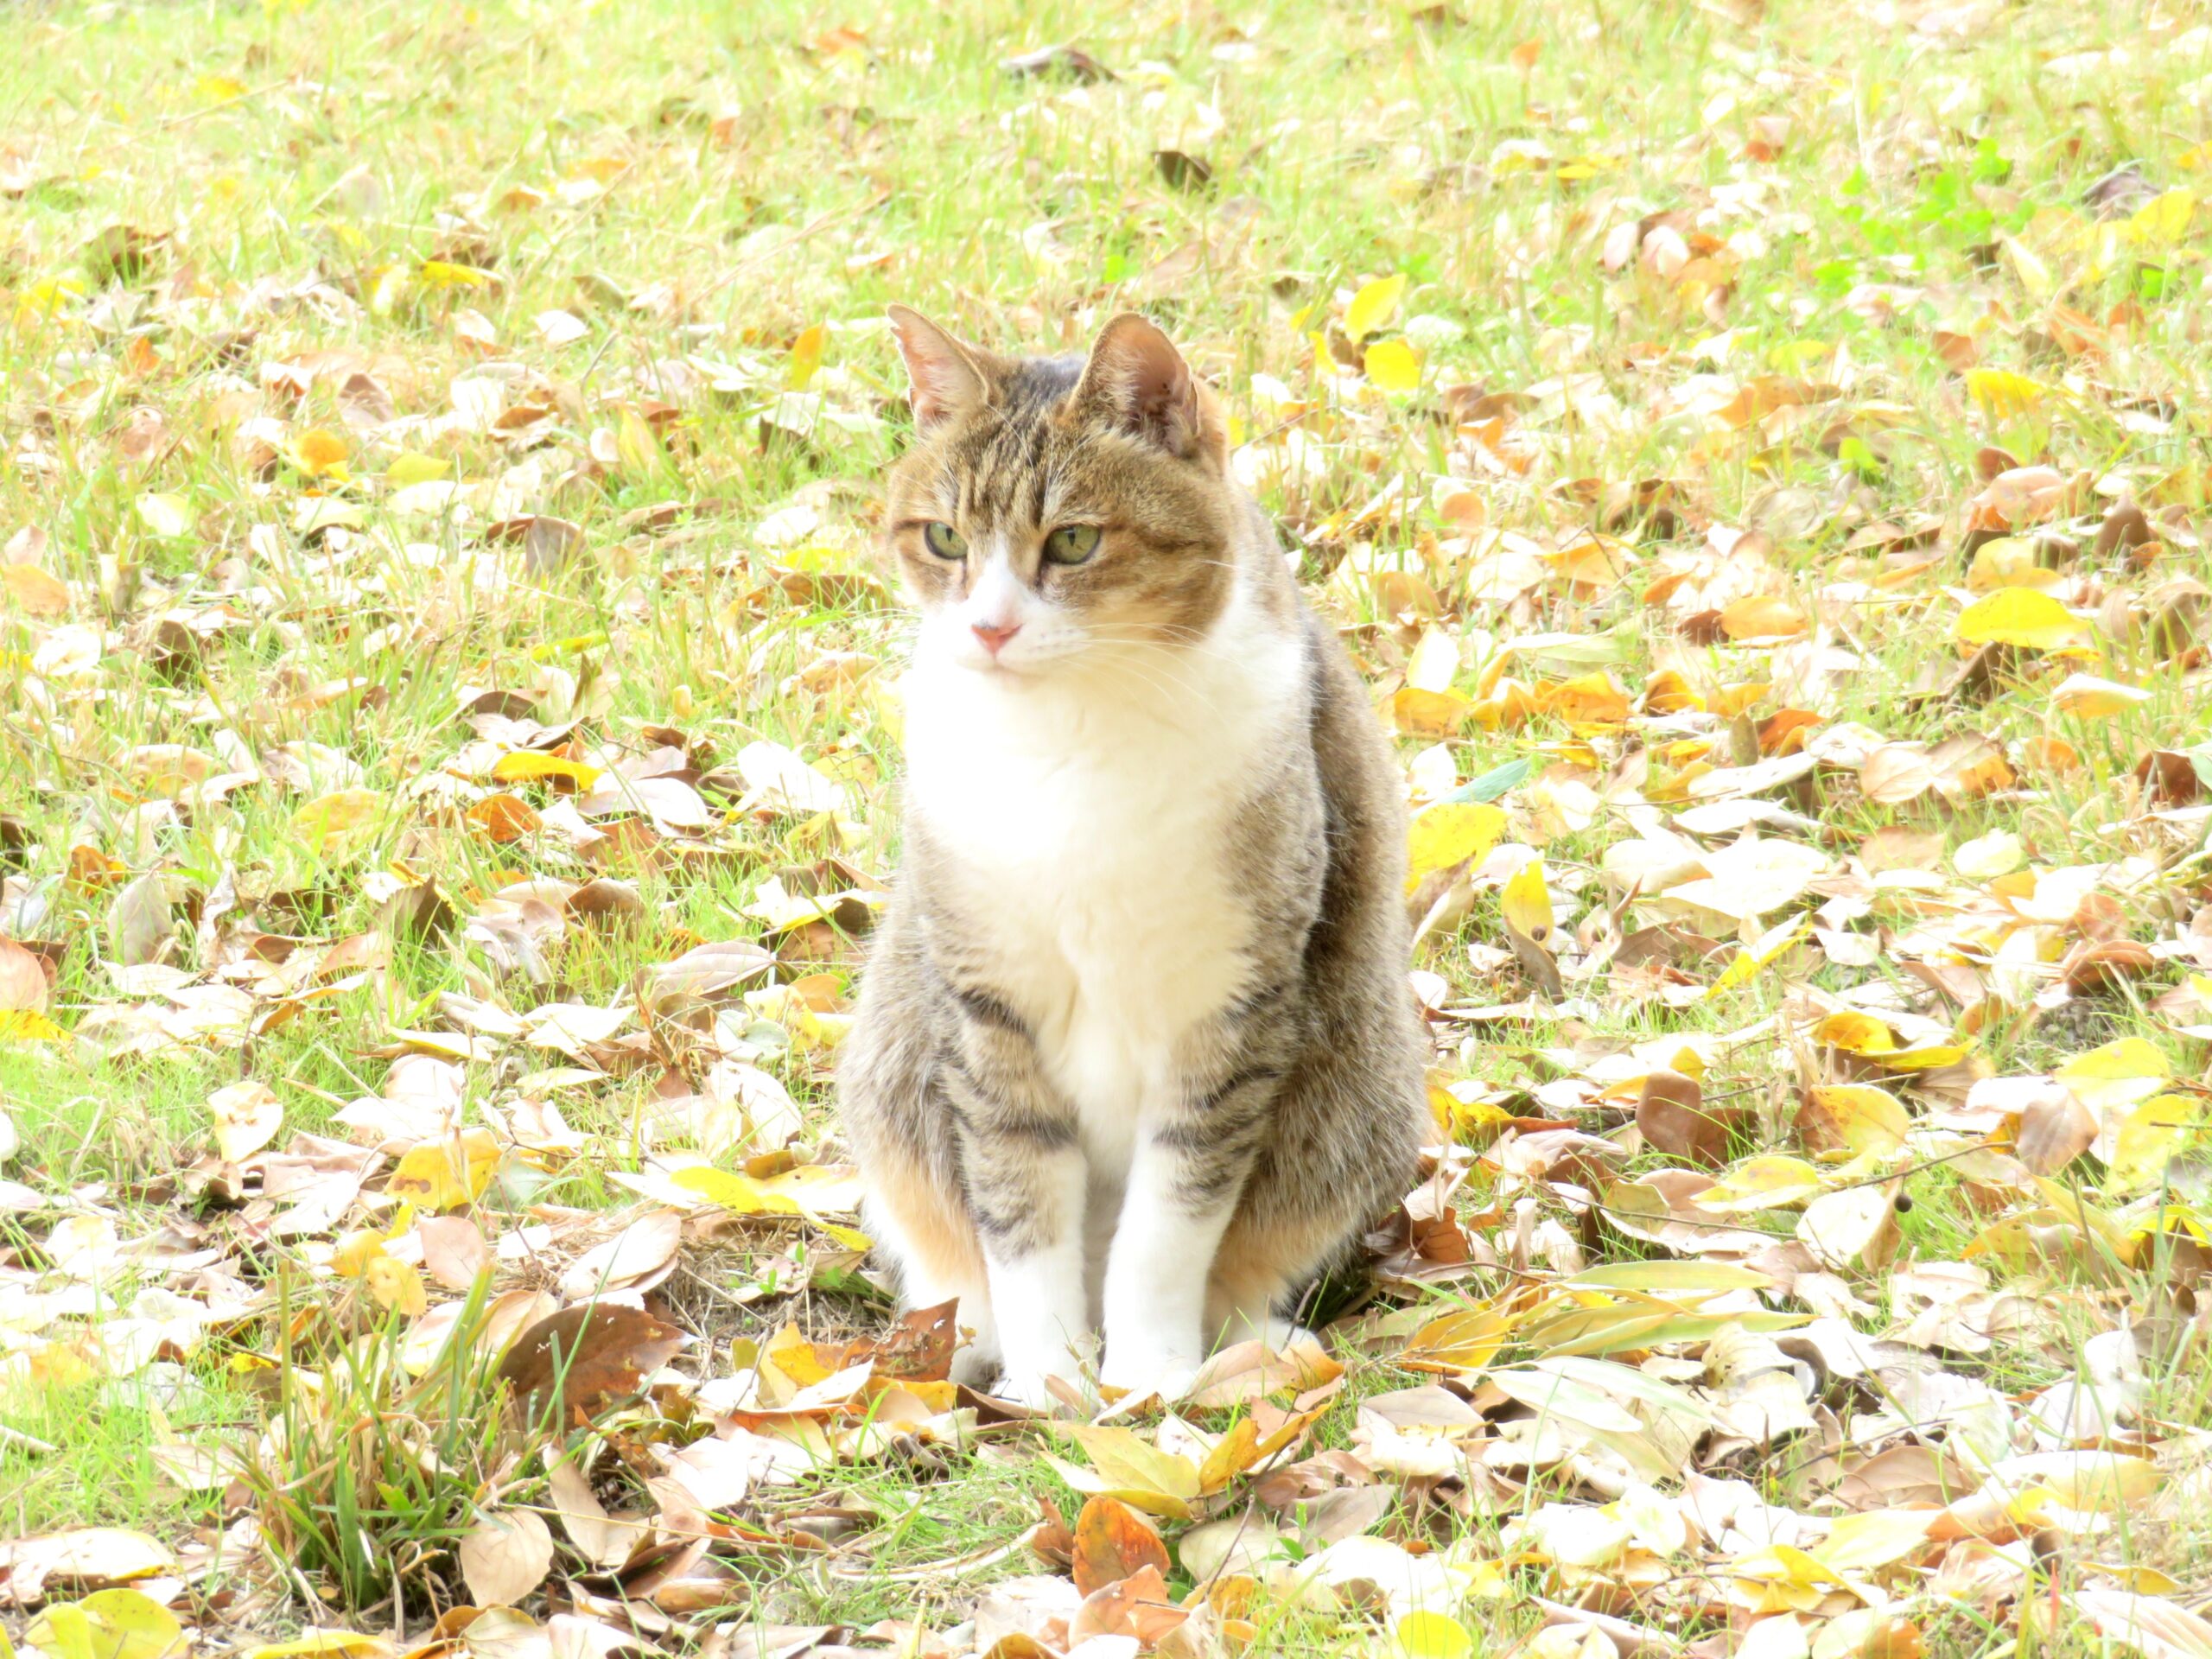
point(1136, 1050)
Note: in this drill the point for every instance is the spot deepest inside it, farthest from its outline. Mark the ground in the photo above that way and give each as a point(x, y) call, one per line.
point(448, 765)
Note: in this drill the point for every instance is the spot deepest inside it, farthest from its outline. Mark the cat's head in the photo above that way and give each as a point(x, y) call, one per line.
point(1053, 511)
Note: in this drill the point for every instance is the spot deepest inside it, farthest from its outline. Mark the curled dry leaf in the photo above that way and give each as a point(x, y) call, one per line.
point(642, 1251)
point(604, 1542)
point(506, 1557)
point(247, 1116)
point(587, 1357)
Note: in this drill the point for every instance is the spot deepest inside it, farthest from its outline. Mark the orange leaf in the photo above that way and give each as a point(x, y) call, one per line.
point(1112, 1542)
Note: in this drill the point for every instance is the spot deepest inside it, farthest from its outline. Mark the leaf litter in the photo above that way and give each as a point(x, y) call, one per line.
point(1795, 659)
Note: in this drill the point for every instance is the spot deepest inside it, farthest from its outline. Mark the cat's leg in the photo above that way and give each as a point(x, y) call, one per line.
point(1026, 1182)
point(1029, 1203)
point(899, 1121)
point(1190, 1167)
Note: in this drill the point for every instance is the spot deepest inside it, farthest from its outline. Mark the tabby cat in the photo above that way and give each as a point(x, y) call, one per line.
point(1135, 1052)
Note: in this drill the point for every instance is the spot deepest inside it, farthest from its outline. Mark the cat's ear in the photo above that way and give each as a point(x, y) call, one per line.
point(944, 376)
point(1136, 382)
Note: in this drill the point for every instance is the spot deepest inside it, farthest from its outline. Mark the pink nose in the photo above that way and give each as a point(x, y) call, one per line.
point(994, 638)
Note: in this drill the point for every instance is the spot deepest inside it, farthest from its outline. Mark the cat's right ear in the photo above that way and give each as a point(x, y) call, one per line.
point(944, 376)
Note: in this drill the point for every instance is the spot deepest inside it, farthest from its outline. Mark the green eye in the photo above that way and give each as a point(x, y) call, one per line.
point(1071, 543)
point(945, 541)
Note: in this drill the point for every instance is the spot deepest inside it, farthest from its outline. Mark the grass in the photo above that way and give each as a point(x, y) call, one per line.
point(656, 242)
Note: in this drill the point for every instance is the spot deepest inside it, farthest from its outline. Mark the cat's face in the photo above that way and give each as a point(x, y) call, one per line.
point(1054, 512)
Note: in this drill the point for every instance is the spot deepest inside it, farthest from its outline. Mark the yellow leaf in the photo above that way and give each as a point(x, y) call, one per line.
point(2007, 562)
point(2019, 616)
point(166, 515)
point(247, 1116)
point(22, 1026)
point(1230, 1456)
point(446, 1173)
point(2001, 394)
point(2091, 698)
point(397, 1285)
point(2148, 1139)
point(1987, 857)
point(1434, 662)
point(1875, 1538)
point(1525, 903)
point(636, 444)
point(1373, 306)
point(790, 1352)
point(523, 764)
point(1433, 1635)
point(335, 825)
point(2035, 276)
point(443, 273)
point(409, 467)
point(1448, 834)
point(1855, 1034)
point(1160, 1483)
point(1394, 366)
point(110, 1624)
point(819, 1189)
point(739, 1194)
point(1865, 1119)
point(2163, 218)
point(1591, 699)
point(806, 356)
point(319, 454)
point(2118, 1074)
point(1429, 713)
point(334, 1643)
point(1787, 1564)
point(1463, 1341)
point(1764, 1183)
point(34, 591)
point(1930, 1058)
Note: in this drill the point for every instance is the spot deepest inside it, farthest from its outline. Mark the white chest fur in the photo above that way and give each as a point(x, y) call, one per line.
point(1088, 816)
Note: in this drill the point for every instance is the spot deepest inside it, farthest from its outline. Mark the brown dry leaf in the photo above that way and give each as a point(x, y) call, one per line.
point(1670, 1113)
point(591, 1357)
point(2055, 1129)
point(505, 1556)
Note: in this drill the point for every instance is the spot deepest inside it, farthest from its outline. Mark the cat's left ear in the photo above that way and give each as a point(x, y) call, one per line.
point(1136, 382)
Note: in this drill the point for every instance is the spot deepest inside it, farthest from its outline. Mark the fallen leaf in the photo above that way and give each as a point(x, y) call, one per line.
point(588, 1357)
point(1112, 1541)
point(505, 1556)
